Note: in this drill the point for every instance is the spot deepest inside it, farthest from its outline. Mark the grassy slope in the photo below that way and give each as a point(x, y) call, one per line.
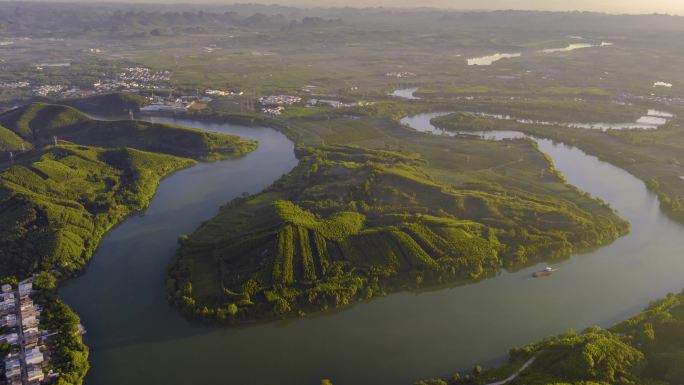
point(351, 223)
point(646, 349)
point(9, 141)
point(55, 208)
point(117, 103)
point(57, 202)
point(39, 122)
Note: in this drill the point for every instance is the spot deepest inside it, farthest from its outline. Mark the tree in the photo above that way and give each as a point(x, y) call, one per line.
point(477, 370)
point(232, 309)
point(45, 281)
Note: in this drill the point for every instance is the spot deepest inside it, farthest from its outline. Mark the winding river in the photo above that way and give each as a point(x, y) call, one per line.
point(137, 339)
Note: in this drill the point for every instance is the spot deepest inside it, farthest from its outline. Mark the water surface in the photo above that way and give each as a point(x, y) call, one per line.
point(406, 93)
point(137, 339)
point(491, 59)
point(652, 120)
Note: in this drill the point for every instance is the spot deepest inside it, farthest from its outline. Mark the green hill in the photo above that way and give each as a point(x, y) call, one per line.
point(39, 123)
point(117, 103)
point(646, 349)
point(9, 141)
point(57, 202)
point(351, 223)
point(55, 208)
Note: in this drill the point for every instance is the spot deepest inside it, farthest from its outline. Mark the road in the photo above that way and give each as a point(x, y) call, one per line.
point(516, 374)
point(22, 357)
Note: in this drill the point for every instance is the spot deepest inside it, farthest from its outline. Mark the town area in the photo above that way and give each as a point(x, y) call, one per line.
point(24, 342)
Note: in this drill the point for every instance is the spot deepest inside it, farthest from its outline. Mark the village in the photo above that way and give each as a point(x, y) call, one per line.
point(163, 97)
point(22, 339)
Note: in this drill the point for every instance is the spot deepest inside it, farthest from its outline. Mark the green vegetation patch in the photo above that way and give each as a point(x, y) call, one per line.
point(351, 223)
point(39, 123)
point(55, 208)
point(646, 349)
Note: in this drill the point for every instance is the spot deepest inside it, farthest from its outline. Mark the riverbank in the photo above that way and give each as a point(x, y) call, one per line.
point(642, 349)
point(656, 157)
point(643, 265)
point(351, 224)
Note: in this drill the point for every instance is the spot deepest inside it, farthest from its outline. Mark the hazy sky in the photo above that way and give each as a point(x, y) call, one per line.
point(631, 6)
point(615, 6)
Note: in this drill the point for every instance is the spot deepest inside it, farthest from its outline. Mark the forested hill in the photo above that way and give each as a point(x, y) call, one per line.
point(56, 202)
point(351, 223)
point(38, 124)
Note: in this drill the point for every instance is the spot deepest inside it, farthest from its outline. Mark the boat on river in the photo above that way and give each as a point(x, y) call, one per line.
point(548, 270)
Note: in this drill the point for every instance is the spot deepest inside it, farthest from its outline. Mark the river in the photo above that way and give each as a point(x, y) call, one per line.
point(137, 339)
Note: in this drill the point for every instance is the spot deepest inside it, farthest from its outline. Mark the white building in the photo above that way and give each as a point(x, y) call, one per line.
point(11, 338)
point(25, 289)
point(9, 320)
point(33, 357)
point(35, 374)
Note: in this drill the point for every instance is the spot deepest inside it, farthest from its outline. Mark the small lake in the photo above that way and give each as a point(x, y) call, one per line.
point(491, 59)
point(406, 93)
point(576, 46)
point(136, 338)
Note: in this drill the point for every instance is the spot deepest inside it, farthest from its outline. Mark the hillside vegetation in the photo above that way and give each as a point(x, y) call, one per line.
point(57, 202)
point(351, 223)
point(117, 103)
point(654, 156)
point(55, 208)
point(646, 349)
point(39, 123)
point(9, 141)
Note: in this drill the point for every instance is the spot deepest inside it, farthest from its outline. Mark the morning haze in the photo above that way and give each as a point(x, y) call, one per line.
point(308, 193)
point(610, 6)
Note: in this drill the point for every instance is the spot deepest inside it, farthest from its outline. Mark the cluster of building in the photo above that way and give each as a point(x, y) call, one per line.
point(223, 93)
point(400, 75)
point(273, 104)
point(176, 103)
point(334, 103)
point(14, 85)
point(26, 361)
point(144, 75)
point(133, 78)
point(48, 89)
point(272, 110)
point(280, 100)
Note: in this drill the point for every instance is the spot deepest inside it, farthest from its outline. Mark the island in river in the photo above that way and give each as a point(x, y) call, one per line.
point(352, 223)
